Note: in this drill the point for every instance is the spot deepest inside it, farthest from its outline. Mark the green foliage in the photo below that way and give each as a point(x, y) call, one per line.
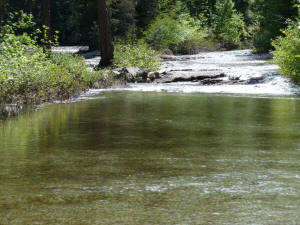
point(164, 32)
point(148, 11)
point(200, 8)
point(139, 55)
point(287, 53)
point(22, 26)
point(177, 31)
point(122, 18)
point(229, 25)
point(28, 75)
point(76, 20)
point(272, 16)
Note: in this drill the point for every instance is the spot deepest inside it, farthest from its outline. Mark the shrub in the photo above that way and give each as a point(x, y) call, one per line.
point(139, 55)
point(164, 32)
point(229, 25)
point(182, 34)
point(29, 75)
point(287, 53)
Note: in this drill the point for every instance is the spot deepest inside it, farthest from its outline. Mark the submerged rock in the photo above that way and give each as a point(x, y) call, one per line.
point(255, 80)
point(154, 75)
point(188, 75)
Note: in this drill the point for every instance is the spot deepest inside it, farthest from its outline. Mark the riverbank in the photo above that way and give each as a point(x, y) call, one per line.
point(32, 78)
point(210, 72)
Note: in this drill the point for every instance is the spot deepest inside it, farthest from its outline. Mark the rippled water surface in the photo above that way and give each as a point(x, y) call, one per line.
point(240, 64)
point(153, 158)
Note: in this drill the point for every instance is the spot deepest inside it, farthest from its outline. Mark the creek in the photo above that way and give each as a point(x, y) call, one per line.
point(178, 153)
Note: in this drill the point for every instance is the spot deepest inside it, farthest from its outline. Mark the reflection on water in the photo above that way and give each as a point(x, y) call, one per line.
point(153, 158)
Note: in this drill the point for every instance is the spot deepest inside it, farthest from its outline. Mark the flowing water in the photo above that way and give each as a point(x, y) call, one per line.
point(157, 154)
point(234, 64)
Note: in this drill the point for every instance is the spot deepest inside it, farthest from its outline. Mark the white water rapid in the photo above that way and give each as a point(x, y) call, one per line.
point(240, 64)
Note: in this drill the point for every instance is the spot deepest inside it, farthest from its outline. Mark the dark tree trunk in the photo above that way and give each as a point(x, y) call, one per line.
point(107, 51)
point(1, 13)
point(132, 35)
point(133, 23)
point(45, 13)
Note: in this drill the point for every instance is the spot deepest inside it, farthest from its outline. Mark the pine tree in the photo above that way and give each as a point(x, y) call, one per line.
point(105, 34)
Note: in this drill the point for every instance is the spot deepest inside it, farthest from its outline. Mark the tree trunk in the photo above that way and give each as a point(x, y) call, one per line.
point(107, 51)
point(0, 16)
point(45, 13)
point(132, 35)
point(133, 23)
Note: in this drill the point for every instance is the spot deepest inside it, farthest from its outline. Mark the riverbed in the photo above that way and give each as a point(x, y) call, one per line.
point(179, 153)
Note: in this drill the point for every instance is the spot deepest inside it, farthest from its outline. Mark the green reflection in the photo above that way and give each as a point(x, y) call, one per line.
point(153, 158)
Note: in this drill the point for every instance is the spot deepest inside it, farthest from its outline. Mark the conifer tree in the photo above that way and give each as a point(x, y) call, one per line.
point(106, 45)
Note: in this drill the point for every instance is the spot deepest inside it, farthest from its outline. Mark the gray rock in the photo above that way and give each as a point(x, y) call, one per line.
point(143, 73)
point(133, 70)
point(255, 80)
point(128, 74)
point(180, 76)
point(129, 77)
point(152, 76)
point(168, 51)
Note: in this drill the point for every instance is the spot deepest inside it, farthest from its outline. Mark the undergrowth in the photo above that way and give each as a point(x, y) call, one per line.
point(31, 75)
point(139, 55)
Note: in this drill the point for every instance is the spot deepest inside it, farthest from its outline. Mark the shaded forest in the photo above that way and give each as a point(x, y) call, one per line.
point(184, 26)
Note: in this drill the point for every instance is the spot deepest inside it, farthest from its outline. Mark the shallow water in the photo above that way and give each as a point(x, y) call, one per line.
point(153, 158)
point(240, 64)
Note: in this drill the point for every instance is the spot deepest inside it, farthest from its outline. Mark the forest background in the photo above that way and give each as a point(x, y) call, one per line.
point(184, 26)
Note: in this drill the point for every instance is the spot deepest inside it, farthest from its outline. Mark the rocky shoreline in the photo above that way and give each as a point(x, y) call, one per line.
point(169, 75)
point(136, 75)
point(181, 68)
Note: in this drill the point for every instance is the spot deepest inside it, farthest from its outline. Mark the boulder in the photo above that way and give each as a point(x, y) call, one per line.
point(142, 75)
point(255, 80)
point(133, 71)
point(153, 75)
point(129, 77)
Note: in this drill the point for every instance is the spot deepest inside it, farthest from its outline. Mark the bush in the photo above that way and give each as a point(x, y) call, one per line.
point(139, 55)
point(287, 53)
point(164, 32)
point(29, 75)
point(229, 25)
point(182, 34)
